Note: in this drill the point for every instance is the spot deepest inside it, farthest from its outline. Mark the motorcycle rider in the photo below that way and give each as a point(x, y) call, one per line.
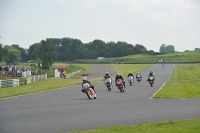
point(107, 76)
point(130, 74)
point(84, 79)
point(118, 76)
point(151, 74)
point(138, 75)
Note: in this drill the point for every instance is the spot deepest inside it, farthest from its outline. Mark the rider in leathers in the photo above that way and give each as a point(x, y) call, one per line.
point(130, 74)
point(107, 76)
point(84, 79)
point(118, 76)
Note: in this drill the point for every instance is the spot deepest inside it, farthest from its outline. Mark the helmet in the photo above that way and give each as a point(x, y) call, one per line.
point(117, 74)
point(107, 73)
point(130, 72)
point(138, 72)
point(84, 78)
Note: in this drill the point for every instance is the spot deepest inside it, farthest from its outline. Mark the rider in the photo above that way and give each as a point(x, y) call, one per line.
point(107, 76)
point(84, 79)
point(138, 75)
point(130, 74)
point(118, 76)
point(151, 74)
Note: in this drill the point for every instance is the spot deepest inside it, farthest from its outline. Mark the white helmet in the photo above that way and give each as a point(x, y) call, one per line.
point(138, 72)
point(84, 78)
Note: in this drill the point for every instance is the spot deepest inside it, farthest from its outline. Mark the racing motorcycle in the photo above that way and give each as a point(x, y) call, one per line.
point(108, 83)
point(89, 91)
point(139, 79)
point(130, 79)
point(151, 80)
point(120, 85)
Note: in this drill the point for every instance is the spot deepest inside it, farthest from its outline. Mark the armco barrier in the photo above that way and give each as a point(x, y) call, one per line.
point(73, 73)
point(9, 83)
point(36, 78)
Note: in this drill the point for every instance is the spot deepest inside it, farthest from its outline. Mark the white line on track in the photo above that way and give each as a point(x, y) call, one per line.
point(163, 84)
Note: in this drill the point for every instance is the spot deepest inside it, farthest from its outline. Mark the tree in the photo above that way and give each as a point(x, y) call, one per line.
point(197, 49)
point(163, 48)
point(167, 48)
point(24, 55)
point(34, 51)
point(47, 54)
point(13, 57)
point(140, 49)
point(3, 52)
point(170, 49)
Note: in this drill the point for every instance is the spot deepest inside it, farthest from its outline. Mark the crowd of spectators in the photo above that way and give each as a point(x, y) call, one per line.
point(16, 72)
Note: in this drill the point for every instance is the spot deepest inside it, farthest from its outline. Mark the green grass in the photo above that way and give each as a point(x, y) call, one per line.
point(174, 126)
point(180, 89)
point(186, 72)
point(124, 69)
point(183, 83)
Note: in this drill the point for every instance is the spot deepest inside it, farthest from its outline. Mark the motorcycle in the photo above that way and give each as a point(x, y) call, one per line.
point(130, 79)
point(151, 80)
point(139, 79)
point(89, 91)
point(108, 83)
point(120, 85)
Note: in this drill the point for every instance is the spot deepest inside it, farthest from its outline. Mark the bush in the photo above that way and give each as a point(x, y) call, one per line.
point(23, 79)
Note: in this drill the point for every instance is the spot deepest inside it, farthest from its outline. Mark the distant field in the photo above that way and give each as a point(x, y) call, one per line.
point(143, 58)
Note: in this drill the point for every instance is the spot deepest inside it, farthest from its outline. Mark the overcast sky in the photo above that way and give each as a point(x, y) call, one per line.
point(147, 22)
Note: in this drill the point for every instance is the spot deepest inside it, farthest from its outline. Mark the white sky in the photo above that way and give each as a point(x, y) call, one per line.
point(147, 22)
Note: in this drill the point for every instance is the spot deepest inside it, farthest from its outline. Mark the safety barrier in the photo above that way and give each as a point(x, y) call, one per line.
point(32, 79)
point(73, 73)
point(36, 78)
point(9, 83)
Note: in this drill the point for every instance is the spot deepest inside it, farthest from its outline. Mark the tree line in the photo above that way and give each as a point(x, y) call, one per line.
point(50, 50)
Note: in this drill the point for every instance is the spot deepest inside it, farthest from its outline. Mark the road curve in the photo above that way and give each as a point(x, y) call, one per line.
point(69, 109)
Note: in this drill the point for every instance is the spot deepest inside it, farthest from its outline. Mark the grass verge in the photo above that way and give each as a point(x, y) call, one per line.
point(183, 83)
point(175, 126)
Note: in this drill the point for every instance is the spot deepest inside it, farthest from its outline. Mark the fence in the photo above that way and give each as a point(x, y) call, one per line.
point(16, 82)
point(73, 73)
point(35, 78)
point(9, 83)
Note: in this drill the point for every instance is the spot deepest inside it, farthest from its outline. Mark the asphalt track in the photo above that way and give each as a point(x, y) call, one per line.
point(69, 109)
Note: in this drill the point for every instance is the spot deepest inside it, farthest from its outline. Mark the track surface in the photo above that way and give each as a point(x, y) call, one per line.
point(69, 109)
